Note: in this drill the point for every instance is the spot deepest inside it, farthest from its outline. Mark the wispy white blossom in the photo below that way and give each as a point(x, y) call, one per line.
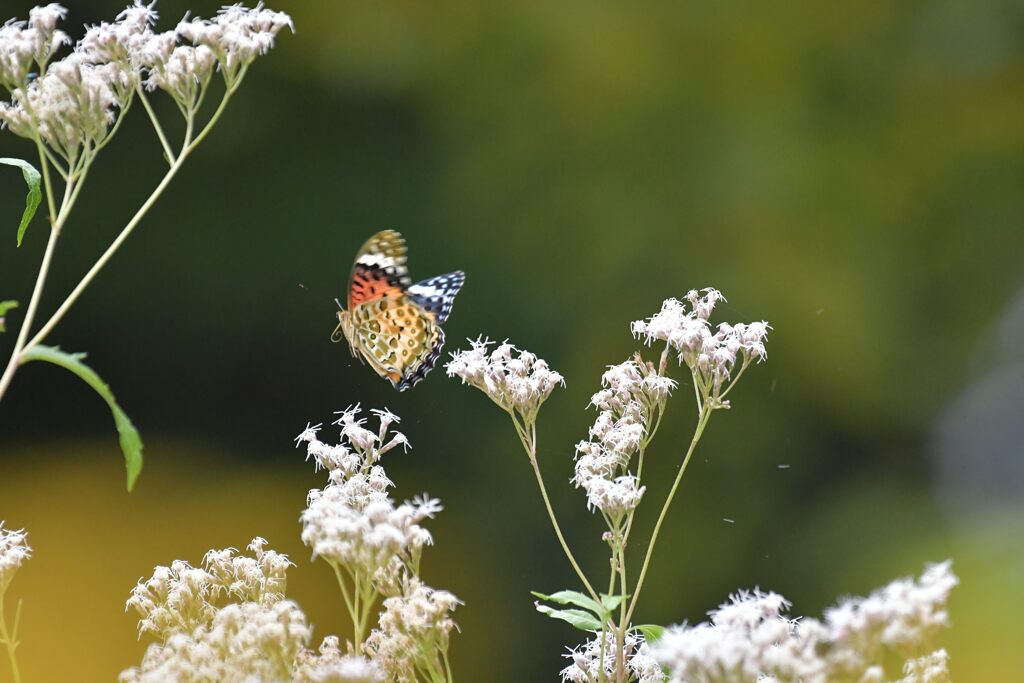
point(331, 665)
point(413, 632)
point(632, 396)
point(226, 621)
point(516, 380)
point(352, 521)
point(750, 639)
point(597, 660)
point(182, 597)
point(711, 355)
point(14, 550)
point(240, 643)
point(374, 547)
point(73, 102)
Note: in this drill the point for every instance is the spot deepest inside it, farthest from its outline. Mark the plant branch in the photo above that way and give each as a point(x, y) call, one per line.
point(701, 424)
point(530, 445)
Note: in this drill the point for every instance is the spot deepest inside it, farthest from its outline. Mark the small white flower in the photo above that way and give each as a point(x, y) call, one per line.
point(14, 550)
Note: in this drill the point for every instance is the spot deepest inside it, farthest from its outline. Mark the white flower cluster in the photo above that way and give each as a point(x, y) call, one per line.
point(632, 394)
point(331, 665)
point(352, 522)
point(710, 355)
point(413, 631)
point(182, 597)
point(749, 639)
point(596, 661)
point(257, 637)
point(14, 550)
point(515, 380)
point(72, 102)
point(237, 35)
point(25, 43)
point(241, 643)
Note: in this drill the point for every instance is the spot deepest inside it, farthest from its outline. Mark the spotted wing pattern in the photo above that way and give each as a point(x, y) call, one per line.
point(437, 294)
point(399, 340)
point(379, 270)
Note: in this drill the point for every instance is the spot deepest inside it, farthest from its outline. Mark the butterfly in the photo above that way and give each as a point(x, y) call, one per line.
point(390, 323)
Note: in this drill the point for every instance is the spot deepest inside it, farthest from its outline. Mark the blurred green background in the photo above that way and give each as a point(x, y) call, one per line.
point(850, 172)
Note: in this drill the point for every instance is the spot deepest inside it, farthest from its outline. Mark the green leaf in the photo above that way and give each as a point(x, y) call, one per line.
point(35, 194)
point(131, 442)
point(584, 621)
point(573, 598)
point(652, 632)
point(612, 601)
point(4, 307)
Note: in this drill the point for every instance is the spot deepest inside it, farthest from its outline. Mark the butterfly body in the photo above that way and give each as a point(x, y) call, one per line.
point(392, 324)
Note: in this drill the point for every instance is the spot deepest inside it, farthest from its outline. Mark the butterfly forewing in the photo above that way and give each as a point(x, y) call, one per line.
point(379, 270)
point(437, 294)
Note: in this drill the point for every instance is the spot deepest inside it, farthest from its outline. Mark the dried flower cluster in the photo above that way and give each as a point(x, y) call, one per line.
point(375, 547)
point(14, 550)
point(516, 380)
point(331, 665)
point(629, 405)
point(73, 103)
point(711, 355)
point(227, 620)
point(749, 639)
point(412, 629)
point(596, 661)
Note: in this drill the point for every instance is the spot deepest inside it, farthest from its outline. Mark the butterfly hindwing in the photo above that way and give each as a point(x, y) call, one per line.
point(379, 270)
point(437, 294)
point(419, 372)
point(397, 338)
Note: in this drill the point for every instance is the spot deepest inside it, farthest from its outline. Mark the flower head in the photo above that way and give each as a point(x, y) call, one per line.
point(711, 353)
point(14, 550)
point(516, 380)
point(597, 659)
point(414, 627)
point(749, 638)
point(331, 665)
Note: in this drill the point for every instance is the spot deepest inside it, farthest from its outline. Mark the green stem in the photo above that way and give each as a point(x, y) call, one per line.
point(702, 422)
point(447, 666)
point(8, 640)
point(56, 223)
point(529, 442)
point(220, 109)
point(344, 593)
point(111, 250)
point(168, 154)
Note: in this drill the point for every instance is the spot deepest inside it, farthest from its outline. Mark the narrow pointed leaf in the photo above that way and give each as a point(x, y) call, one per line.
point(573, 598)
point(652, 632)
point(584, 621)
point(131, 442)
point(612, 601)
point(4, 307)
point(34, 196)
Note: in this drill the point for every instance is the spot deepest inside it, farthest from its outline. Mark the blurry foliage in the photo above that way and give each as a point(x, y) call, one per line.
point(851, 173)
